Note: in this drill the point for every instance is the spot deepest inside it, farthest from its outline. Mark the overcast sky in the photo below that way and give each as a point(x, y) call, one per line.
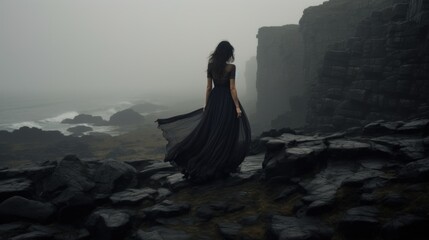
point(127, 47)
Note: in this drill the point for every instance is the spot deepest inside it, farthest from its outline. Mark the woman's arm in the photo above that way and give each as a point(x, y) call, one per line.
point(208, 90)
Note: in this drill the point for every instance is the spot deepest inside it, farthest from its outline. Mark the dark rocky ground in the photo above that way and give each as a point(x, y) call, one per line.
point(363, 183)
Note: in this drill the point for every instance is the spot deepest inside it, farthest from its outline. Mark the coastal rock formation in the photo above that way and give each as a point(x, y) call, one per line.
point(86, 118)
point(280, 73)
point(126, 117)
point(380, 73)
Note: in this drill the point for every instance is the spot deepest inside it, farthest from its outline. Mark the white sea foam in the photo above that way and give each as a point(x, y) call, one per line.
point(61, 117)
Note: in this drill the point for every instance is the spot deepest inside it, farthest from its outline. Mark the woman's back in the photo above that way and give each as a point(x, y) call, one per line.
point(221, 79)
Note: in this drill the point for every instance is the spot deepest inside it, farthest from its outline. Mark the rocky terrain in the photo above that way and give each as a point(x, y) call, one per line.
point(367, 182)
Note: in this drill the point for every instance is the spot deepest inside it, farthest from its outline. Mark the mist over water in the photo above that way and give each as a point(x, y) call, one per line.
point(60, 58)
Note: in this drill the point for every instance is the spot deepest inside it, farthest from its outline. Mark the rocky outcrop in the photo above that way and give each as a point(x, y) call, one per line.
point(280, 73)
point(331, 22)
point(126, 117)
point(380, 73)
point(86, 118)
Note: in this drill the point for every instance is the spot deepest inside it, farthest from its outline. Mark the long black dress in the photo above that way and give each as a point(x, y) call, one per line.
point(211, 143)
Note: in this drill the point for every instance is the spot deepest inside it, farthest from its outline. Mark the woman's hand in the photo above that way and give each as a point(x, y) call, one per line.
point(238, 111)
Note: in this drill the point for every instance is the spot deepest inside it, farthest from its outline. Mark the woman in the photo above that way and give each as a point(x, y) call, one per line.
point(210, 142)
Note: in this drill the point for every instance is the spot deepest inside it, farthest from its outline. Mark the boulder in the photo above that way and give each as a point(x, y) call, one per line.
point(360, 221)
point(166, 208)
point(161, 233)
point(108, 224)
point(415, 171)
point(132, 196)
point(406, 227)
point(114, 176)
point(15, 187)
point(79, 130)
point(18, 207)
point(86, 118)
point(229, 231)
point(285, 228)
point(126, 117)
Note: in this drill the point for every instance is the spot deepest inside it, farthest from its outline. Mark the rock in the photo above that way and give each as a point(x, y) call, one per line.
point(417, 171)
point(415, 127)
point(229, 230)
point(155, 167)
point(293, 162)
point(166, 209)
point(79, 130)
point(275, 145)
point(347, 148)
point(287, 192)
point(285, 228)
point(176, 182)
point(161, 233)
point(34, 173)
point(132, 196)
point(36, 235)
point(372, 184)
point(126, 117)
point(205, 212)
point(411, 150)
point(250, 220)
point(406, 227)
point(86, 118)
point(73, 205)
point(368, 199)
point(108, 224)
point(394, 200)
point(358, 178)
point(381, 128)
point(15, 187)
point(19, 207)
point(113, 176)
point(360, 221)
point(162, 194)
point(11, 229)
point(70, 172)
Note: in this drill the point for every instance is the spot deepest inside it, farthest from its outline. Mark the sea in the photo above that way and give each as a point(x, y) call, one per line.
point(47, 111)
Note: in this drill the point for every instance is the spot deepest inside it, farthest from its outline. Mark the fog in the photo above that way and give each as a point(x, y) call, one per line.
point(128, 48)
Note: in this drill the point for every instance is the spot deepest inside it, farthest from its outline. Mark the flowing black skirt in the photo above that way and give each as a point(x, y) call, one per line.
point(210, 143)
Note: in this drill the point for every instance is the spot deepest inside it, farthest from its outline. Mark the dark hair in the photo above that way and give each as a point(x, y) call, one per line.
point(223, 53)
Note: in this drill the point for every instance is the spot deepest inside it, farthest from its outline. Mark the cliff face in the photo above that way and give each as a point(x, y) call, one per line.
point(280, 73)
point(381, 73)
point(328, 23)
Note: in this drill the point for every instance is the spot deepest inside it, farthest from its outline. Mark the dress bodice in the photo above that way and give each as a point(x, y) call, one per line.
point(222, 81)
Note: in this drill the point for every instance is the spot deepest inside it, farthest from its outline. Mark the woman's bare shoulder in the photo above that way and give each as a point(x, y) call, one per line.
point(230, 67)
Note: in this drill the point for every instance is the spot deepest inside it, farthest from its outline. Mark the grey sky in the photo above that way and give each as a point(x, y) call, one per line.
point(125, 46)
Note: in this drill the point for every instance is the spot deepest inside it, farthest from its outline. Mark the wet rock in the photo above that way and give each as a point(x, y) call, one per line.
point(360, 221)
point(381, 128)
point(113, 176)
point(15, 187)
point(368, 198)
point(126, 117)
point(282, 227)
point(287, 192)
point(70, 172)
point(411, 150)
point(155, 167)
point(229, 230)
point(293, 162)
point(73, 205)
point(415, 127)
point(176, 182)
point(358, 178)
point(415, 171)
point(250, 220)
point(36, 235)
point(161, 233)
point(166, 209)
point(108, 224)
point(348, 148)
point(79, 130)
point(132, 196)
point(34, 173)
point(406, 227)
point(394, 200)
point(19, 207)
point(372, 184)
point(86, 118)
point(162, 194)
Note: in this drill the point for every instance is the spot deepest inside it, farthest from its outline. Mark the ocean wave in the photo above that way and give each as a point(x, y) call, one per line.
point(61, 117)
